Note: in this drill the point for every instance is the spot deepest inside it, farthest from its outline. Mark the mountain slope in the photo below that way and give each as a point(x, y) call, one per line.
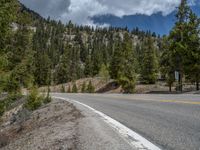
point(155, 23)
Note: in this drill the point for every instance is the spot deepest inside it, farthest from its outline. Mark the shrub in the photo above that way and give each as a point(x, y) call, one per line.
point(104, 73)
point(127, 85)
point(14, 96)
point(34, 101)
point(69, 89)
point(74, 88)
point(83, 89)
point(90, 88)
point(62, 89)
point(11, 84)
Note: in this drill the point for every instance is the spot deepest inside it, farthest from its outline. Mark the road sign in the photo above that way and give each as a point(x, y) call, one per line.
point(176, 75)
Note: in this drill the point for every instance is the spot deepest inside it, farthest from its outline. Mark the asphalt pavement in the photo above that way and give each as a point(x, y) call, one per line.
point(172, 122)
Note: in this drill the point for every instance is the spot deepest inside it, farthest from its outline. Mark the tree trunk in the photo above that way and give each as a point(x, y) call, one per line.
point(170, 87)
point(197, 82)
point(197, 85)
point(180, 82)
point(181, 85)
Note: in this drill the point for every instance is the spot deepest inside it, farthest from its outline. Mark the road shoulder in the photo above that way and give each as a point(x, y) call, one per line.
point(95, 134)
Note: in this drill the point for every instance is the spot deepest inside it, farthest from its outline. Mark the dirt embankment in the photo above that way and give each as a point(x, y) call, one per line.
point(98, 83)
point(111, 86)
point(52, 127)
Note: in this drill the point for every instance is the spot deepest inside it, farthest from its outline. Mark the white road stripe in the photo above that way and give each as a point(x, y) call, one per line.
point(133, 138)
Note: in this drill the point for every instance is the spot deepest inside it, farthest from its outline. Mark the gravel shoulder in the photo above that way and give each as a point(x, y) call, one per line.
point(60, 125)
point(95, 134)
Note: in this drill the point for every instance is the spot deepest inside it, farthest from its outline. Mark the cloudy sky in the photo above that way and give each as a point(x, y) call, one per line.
point(80, 11)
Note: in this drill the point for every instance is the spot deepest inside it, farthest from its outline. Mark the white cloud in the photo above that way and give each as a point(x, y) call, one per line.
point(79, 11)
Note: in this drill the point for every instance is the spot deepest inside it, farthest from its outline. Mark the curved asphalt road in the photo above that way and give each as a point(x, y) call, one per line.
point(171, 122)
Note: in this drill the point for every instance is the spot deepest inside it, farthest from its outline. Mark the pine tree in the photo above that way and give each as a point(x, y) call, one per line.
point(74, 88)
point(11, 85)
point(104, 72)
point(62, 70)
point(122, 65)
point(116, 62)
point(8, 9)
point(192, 56)
point(43, 66)
point(88, 67)
point(127, 76)
point(167, 67)
point(83, 88)
point(138, 58)
point(178, 40)
point(21, 57)
point(96, 56)
point(76, 71)
point(149, 62)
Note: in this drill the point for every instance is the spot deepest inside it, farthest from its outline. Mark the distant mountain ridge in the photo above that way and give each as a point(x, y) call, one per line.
point(155, 23)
